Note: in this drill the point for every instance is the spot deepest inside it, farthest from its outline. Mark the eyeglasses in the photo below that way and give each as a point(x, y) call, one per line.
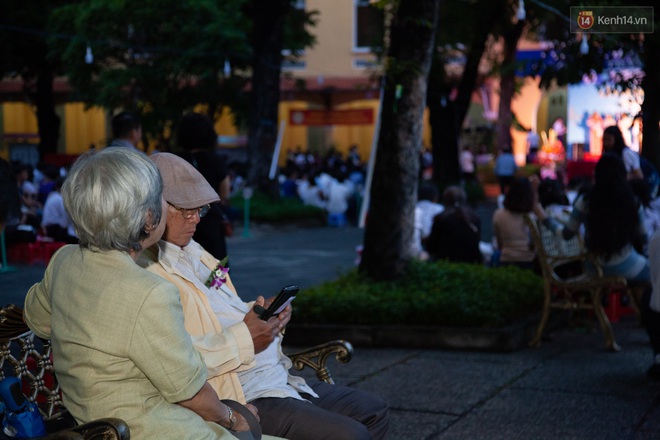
point(189, 213)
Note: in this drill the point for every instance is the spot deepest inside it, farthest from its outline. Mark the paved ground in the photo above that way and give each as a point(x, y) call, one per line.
point(569, 388)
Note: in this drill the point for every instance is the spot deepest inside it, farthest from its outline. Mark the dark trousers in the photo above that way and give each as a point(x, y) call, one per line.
point(339, 413)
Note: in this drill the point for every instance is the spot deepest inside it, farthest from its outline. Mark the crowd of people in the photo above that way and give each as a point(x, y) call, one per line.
point(617, 213)
point(42, 214)
point(331, 182)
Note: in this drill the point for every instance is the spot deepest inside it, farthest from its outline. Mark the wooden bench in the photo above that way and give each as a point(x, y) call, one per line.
point(29, 358)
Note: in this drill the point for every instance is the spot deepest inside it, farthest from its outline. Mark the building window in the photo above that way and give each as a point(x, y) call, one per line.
point(368, 29)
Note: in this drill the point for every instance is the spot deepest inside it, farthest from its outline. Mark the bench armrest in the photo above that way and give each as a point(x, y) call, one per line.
point(317, 356)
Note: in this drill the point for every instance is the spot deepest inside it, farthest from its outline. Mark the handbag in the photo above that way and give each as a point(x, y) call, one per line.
point(255, 428)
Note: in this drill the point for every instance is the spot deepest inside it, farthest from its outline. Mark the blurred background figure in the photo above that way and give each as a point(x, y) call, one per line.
point(456, 231)
point(505, 168)
point(55, 221)
point(197, 138)
point(511, 233)
point(126, 130)
point(466, 161)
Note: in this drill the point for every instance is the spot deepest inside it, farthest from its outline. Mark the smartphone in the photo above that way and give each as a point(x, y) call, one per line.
point(283, 299)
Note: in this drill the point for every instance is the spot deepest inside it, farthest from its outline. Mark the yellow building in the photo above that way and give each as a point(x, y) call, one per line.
point(329, 99)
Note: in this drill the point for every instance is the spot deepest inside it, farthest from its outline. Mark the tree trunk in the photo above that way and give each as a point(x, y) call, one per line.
point(445, 129)
point(508, 85)
point(48, 122)
point(389, 229)
point(446, 117)
point(268, 26)
point(650, 107)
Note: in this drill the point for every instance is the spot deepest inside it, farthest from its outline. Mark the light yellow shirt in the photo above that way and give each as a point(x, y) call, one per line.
point(120, 348)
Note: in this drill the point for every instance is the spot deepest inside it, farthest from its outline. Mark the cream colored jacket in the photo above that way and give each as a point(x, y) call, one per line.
point(224, 350)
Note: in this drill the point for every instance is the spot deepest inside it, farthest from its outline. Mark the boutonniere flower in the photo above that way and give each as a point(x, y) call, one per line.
point(218, 275)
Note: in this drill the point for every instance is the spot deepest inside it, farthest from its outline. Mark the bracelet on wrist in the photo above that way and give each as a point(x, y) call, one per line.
point(231, 417)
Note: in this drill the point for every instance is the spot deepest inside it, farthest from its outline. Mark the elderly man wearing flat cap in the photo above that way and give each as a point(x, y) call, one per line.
point(243, 353)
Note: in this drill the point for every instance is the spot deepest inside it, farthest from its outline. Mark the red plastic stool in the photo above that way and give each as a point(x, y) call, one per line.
point(614, 309)
point(26, 253)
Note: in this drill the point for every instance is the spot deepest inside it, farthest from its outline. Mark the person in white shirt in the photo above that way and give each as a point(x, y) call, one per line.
point(55, 220)
point(426, 209)
point(338, 193)
point(466, 160)
point(243, 353)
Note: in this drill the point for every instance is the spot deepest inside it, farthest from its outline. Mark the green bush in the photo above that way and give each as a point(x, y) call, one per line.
point(267, 208)
point(430, 294)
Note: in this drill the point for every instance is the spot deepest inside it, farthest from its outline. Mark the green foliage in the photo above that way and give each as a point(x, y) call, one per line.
point(160, 57)
point(430, 294)
point(267, 208)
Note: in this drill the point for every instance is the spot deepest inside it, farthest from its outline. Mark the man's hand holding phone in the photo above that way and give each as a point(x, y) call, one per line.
point(263, 332)
point(278, 304)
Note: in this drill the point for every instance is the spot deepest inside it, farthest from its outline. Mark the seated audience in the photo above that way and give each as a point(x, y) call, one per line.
point(9, 201)
point(243, 353)
point(120, 348)
point(55, 220)
point(511, 233)
point(614, 222)
point(651, 213)
point(427, 203)
point(455, 232)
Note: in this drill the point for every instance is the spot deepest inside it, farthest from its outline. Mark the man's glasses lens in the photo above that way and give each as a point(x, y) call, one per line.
point(189, 213)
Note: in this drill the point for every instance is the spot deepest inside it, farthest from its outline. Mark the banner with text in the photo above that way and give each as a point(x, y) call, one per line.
point(363, 116)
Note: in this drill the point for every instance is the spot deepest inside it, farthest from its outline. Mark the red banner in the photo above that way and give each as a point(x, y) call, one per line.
point(363, 116)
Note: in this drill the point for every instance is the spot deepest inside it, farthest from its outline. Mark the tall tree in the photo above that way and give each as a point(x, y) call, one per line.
point(268, 17)
point(158, 57)
point(460, 35)
point(24, 53)
point(393, 193)
point(276, 25)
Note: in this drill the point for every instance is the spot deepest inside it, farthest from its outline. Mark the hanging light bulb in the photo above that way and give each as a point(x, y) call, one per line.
point(227, 68)
point(522, 14)
point(584, 45)
point(89, 56)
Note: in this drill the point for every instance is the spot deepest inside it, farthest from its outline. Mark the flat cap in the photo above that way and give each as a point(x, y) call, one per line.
point(183, 185)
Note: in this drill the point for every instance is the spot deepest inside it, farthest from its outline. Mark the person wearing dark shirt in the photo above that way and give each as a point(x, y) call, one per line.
point(197, 137)
point(456, 232)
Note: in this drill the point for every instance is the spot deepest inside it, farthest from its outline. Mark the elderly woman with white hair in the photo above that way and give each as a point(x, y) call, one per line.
point(120, 348)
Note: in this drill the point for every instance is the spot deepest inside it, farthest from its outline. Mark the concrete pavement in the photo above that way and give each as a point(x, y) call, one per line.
point(569, 388)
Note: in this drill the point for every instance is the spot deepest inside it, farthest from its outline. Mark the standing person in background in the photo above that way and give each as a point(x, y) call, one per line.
point(338, 193)
point(198, 139)
point(467, 164)
point(126, 130)
point(505, 168)
point(533, 143)
point(613, 142)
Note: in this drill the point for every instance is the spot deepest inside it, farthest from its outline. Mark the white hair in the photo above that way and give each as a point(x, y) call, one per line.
point(113, 196)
